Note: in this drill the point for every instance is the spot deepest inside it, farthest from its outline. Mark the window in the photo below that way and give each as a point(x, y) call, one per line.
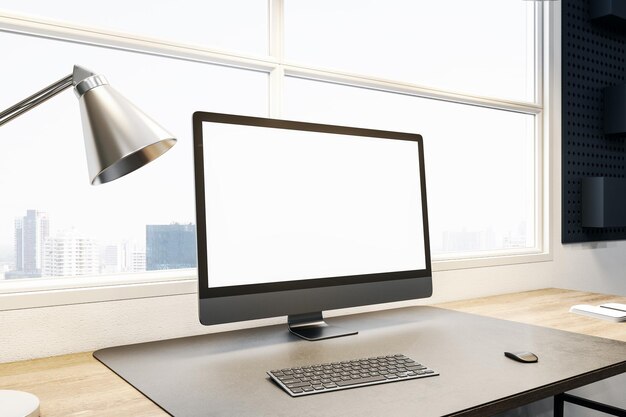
point(235, 25)
point(469, 83)
point(465, 75)
point(479, 161)
point(482, 47)
point(128, 225)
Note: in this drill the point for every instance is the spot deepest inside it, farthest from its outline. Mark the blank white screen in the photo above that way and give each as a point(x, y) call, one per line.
point(285, 205)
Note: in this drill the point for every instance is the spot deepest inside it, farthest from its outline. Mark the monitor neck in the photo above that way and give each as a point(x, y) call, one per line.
point(311, 326)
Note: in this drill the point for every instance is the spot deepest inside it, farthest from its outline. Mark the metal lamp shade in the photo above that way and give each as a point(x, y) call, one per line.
point(119, 138)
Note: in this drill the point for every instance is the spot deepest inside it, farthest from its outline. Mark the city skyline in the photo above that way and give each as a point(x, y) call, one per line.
point(113, 228)
point(130, 254)
point(41, 250)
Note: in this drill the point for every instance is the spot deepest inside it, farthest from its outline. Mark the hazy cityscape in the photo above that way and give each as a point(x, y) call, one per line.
point(39, 251)
point(481, 240)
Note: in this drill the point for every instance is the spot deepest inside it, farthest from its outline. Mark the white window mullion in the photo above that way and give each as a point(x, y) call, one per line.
point(277, 29)
point(276, 42)
point(356, 80)
point(74, 34)
point(276, 87)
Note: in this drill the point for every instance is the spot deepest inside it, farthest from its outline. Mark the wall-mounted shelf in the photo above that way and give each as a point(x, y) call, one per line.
point(610, 14)
point(603, 202)
point(593, 44)
point(615, 109)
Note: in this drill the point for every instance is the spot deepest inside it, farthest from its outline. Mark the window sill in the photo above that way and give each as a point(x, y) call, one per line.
point(46, 292)
point(478, 260)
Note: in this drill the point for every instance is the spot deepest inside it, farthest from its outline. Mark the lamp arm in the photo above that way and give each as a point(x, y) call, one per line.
point(36, 99)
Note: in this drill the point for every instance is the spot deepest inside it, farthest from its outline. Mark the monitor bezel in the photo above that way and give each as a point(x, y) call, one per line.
point(237, 290)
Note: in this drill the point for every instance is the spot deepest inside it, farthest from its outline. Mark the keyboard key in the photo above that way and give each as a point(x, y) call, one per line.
point(298, 385)
point(360, 381)
point(289, 381)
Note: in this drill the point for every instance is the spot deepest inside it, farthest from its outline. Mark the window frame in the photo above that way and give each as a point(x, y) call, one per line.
point(40, 292)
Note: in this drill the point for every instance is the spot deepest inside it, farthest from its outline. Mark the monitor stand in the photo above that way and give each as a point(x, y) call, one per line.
point(311, 326)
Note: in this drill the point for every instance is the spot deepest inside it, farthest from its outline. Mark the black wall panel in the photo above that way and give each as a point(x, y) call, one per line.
point(593, 58)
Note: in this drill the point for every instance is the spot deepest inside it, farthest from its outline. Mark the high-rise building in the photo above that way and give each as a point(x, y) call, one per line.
point(70, 254)
point(4, 268)
point(137, 261)
point(170, 246)
point(31, 233)
point(126, 256)
point(133, 257)
point(111, 259)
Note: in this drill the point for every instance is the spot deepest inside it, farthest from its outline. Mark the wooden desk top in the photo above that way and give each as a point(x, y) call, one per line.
point(78, 385)
point(547, 308)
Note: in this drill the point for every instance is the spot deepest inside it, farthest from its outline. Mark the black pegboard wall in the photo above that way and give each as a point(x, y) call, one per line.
point(593, 58)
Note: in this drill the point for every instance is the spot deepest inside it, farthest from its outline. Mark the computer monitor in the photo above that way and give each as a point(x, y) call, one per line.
point(296, 218)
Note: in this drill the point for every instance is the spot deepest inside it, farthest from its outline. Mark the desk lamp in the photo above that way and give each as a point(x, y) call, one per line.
point(119, 138)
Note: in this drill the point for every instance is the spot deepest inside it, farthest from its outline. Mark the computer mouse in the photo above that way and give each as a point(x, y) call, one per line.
point(525, 357)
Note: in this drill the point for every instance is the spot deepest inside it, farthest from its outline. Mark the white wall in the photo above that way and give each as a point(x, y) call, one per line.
point(596, 267)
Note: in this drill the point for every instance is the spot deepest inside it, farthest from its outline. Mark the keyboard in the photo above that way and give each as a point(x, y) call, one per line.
point(333, 376)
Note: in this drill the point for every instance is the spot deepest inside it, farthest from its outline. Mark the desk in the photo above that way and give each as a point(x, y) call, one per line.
point(96, 391)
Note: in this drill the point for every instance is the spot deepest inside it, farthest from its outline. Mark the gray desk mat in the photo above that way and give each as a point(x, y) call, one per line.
point(223, 374)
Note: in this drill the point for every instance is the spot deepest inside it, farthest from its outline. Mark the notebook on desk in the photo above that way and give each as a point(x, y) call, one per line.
point(611, 311)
